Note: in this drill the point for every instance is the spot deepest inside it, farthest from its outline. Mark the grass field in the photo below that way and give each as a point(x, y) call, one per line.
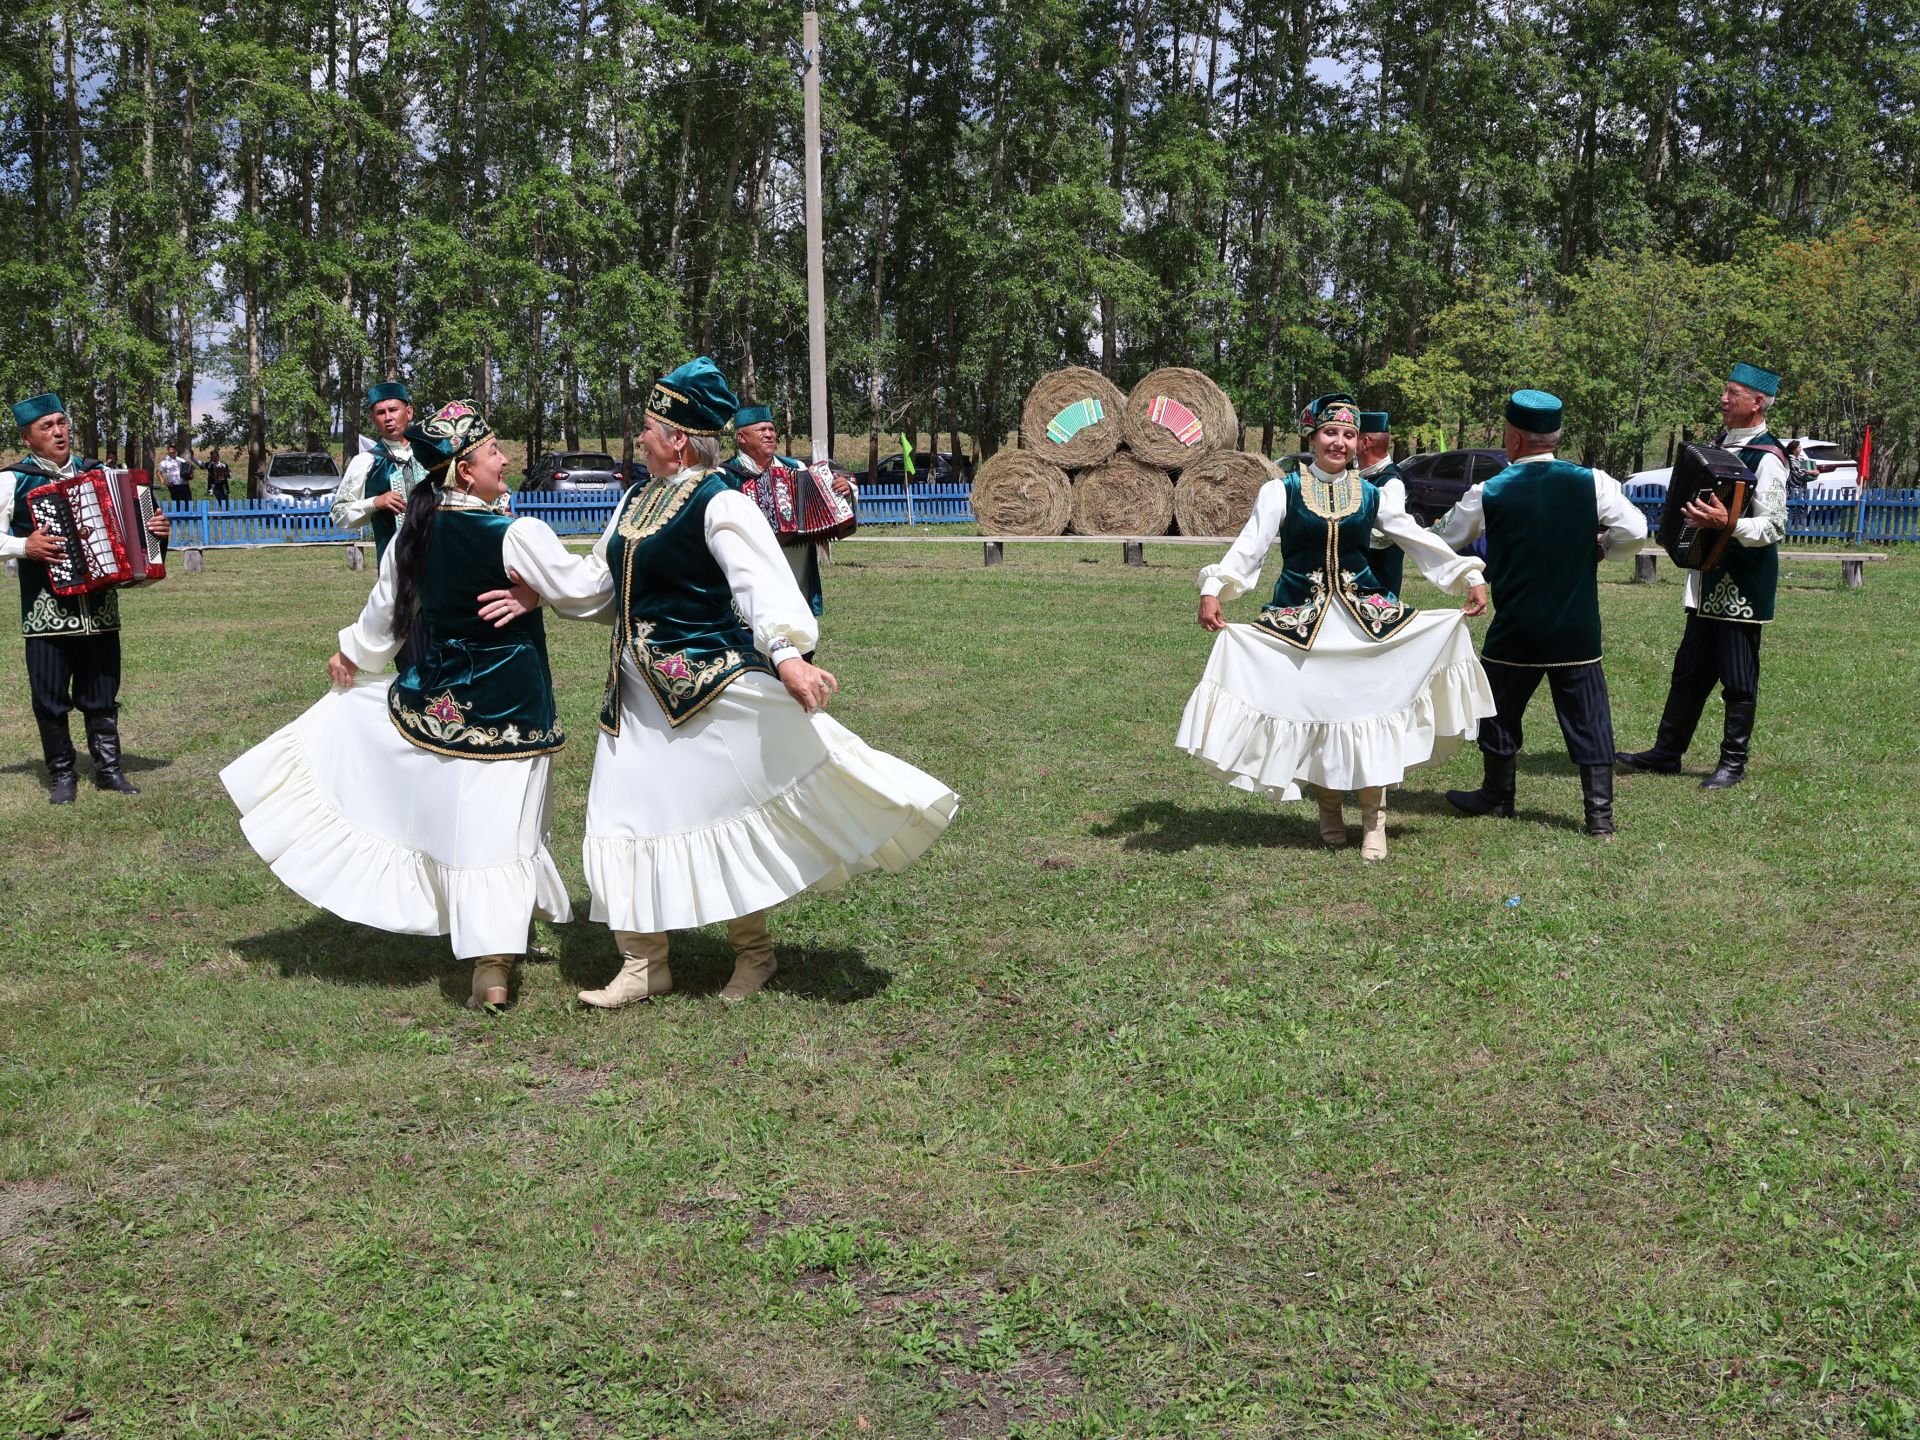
point(1128, 1111)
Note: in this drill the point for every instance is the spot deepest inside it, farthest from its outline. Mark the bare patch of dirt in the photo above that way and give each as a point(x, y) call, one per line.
point(26, 1211)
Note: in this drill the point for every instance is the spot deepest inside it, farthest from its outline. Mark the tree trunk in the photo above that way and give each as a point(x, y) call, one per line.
point(250, 273)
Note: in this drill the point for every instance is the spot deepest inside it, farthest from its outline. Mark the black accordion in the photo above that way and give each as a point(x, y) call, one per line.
point(1700, 471)
point(102, 516)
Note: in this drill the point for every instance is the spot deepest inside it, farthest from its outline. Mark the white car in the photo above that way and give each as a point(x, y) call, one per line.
point(1836, 475)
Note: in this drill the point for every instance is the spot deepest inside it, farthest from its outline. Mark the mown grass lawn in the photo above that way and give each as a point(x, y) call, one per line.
point(1127, 1112)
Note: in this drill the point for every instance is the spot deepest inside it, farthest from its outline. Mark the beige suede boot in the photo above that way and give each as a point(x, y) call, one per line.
point(1333, 825)
point(1373, 822)
point(492, 977)
point(643, 971)
point(753, 963)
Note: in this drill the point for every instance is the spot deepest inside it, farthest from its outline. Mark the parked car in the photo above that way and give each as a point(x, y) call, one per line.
point(566, 471)
point(300, 475)
point(942, 468)
point(1437, 479)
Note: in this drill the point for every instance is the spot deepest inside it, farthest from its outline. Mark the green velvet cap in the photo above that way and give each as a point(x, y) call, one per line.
point(695, 398)
point(448, 434)
point(1754, 378)
point(25, 412)
point(1534, 411)
point(1337, 408)
point(1374, 422)
point(388, 390)
point(753, 415)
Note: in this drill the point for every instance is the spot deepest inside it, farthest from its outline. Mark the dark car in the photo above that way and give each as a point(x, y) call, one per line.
point(565, 471)
point(943, 468)
point(1438, 479)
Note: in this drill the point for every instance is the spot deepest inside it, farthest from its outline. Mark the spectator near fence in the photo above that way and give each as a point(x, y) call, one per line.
point(174, 476)
point(219, 473)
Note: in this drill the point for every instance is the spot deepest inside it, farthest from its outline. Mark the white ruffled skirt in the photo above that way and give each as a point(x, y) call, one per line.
point(746, 804)
point(356, 820)
point(1349, 713)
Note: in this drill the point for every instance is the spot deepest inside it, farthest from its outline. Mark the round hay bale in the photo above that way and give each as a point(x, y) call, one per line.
point(1018, 493)
point(1215, 495)
point(1072, 417)
point(1176, 417)
point(1125, 496)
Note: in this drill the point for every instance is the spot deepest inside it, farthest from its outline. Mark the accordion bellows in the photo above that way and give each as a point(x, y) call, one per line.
point(799, 505)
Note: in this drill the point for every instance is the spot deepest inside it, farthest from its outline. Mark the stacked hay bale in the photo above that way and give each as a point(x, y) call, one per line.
point(1108, 465)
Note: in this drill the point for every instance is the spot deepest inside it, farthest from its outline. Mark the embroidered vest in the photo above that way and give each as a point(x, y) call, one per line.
point(1543, 528)
point(738, 475)
point(43, 614)
point(1323, 562)
point(1742, 587)
point(474, 691)
point(381, 478)
point(675, 614)
point(1388, 561)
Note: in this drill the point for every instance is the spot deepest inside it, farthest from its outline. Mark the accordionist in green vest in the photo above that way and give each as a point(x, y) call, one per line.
point(1728, 604)
point(375, 488)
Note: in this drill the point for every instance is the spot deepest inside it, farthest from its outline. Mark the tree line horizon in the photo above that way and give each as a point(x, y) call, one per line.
point(541, 204)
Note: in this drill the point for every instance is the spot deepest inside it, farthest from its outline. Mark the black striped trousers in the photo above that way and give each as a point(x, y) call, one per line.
point(1712, 652)
point(1580, 703)
point(79, 672)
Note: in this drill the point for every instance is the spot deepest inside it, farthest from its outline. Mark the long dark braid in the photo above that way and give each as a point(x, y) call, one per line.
point(410, 549)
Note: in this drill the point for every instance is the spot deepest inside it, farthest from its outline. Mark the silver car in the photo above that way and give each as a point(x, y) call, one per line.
point(300, 476)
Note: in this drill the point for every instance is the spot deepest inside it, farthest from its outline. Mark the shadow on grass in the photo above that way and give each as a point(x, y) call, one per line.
point(702, 962)
point(1434, 802)
point(333, 949)
point(134, 764)
point(1163, 826)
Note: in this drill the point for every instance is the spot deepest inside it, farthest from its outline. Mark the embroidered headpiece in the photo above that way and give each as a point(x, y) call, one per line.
point(448, 435)
point(25, 412)
point(1754, 378)
point(1337, 408)
point(695, 398)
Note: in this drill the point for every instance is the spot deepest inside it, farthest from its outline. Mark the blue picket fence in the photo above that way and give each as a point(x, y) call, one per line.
point(208, 524)
point(1877, 517)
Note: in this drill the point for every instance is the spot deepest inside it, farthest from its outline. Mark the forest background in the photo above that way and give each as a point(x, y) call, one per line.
point(542, 205)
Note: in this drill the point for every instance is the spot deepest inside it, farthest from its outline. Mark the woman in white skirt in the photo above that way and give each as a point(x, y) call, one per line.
point(719, 790)
point(1338, 684)
point(420, 805)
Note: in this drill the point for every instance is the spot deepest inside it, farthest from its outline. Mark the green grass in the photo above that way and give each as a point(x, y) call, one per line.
point(1127, 1112)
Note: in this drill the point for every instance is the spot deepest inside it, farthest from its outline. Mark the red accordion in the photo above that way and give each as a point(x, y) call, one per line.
point(801, 504)
point(102, 516)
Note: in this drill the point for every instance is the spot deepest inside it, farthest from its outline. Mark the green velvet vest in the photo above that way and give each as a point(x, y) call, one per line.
point(1323, 562)
point(1543, 529)
point(737, 476)
point(474, 691)
point(381, 478)
point(43, 614)
point(1389, 561)
point(1743, 585)
point(674, 609)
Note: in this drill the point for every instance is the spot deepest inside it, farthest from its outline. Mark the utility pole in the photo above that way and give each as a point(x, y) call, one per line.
point(816, 264)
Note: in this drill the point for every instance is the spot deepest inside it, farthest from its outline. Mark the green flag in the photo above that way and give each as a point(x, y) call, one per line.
point(906, 455)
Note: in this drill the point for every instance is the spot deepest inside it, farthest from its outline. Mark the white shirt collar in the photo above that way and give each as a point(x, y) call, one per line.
point(752, 465)
point(1319, 474)
point(65, 472)
point(399, 449)
point(1377, 467)
point(1746, 432)
point(452, 499)
point(1530, 459)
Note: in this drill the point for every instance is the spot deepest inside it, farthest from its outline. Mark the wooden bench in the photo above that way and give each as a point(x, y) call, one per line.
point(1853, 563)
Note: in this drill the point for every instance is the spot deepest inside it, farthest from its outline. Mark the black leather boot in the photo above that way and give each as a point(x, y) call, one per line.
point(1734, 742)
point(103, 743)
point(1495, 795)
point(1650, 760)
point(56, 745)
point(1596, 794)
point(1678, 720)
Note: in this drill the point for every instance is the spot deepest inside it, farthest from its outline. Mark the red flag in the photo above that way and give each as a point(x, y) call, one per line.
point(1866, 458)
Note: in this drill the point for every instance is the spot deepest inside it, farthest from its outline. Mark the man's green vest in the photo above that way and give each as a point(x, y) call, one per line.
point(1389, 561)
point(380, 479)
point(1543, 549)
point(43, 614)
point(474, 690)
point(1743, 585)
point(675, 614)
point(1323, 562)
